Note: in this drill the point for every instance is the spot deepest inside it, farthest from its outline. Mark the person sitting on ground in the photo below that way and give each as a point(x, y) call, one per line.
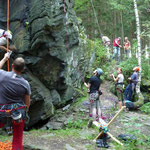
point(94, 93)
point(132, 84)
point(14, 99)
point(127, 47)
point(119, 86)
point(3, 40)
point(116, 48)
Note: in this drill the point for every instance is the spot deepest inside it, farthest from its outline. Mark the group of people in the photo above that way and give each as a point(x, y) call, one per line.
point(127, 95)
point(117, 46)
point(123, 95)
point(14, 94)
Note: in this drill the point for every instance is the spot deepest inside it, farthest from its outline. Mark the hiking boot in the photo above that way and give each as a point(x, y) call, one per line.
point(105, 144)
point(98, 141)
point(90, 122)
point(100, 144)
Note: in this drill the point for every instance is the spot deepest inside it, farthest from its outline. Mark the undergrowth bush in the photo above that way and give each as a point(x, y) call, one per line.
point(146, 108)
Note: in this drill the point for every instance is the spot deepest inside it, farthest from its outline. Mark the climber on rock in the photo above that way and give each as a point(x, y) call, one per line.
point(94, 93)
point(3, 40)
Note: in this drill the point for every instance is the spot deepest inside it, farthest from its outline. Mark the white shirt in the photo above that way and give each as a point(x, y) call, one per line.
point(120, 78)
point(3, 40)
point(105, 39)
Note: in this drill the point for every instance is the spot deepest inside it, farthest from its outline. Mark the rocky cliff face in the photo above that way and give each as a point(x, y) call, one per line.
point(48, 39)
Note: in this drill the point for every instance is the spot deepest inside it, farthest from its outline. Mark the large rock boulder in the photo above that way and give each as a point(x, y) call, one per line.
point(46, 34)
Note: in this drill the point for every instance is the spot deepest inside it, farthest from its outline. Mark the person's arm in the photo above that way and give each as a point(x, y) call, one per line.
point(129, 45)
point(115, 79)
point(6, 57)
point(27, 100)
point(2, 62)
point(116, 41)
point(87, 85)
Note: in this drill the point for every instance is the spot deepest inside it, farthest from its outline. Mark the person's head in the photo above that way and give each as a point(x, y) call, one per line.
point(98, 72)
point(18, 65)
point(119, 38)
point(119, 70)
point(136, 69)
point(8, 34)
point(126, 38)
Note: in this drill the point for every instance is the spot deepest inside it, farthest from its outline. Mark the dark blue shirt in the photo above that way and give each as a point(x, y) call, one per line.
point(95, 84)
point(134, 78)
point(13, 88)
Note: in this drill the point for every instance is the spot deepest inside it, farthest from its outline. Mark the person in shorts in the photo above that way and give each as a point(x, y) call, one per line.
point(94, 93)
point(119, 86)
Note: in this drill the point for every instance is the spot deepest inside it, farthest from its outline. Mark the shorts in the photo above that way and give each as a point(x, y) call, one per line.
point(119, 89)
point(94, 97)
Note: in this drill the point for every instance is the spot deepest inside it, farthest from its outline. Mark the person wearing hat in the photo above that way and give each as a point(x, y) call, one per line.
point(116, 48)
point(93, 89)
point(3, 40)
point(132, 84)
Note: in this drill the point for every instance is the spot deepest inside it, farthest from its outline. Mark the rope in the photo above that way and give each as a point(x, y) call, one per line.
point(7, 31)
point(96, 18)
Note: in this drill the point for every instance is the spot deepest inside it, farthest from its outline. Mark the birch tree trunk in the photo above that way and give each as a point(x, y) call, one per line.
point(140, 96)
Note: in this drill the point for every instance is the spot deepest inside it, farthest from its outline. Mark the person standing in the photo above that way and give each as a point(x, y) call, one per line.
point(119, 86)
point(94, 93)
point(132, 84)
point(116, 49)
point(106, 42)
point(127, 47)
point(3, 40)
point(14, 99)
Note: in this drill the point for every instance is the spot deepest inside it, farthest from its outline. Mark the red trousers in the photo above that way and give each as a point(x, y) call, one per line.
point(17, 142)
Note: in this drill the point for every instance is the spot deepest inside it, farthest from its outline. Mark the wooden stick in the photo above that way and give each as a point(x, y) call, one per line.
point(116, 115)
point(110, 122)
point(114, 138)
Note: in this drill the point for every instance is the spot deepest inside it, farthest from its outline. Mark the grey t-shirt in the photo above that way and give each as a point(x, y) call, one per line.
point(13, 88)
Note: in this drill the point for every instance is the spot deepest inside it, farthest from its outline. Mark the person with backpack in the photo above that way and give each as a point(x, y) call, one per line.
point(132, 84)
point(94, 92)
point(3, 40)
point(119, 86)
point(14, 99)
point(116, 48)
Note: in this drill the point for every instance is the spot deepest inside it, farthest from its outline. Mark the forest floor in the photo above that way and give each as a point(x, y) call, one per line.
point(77, 136)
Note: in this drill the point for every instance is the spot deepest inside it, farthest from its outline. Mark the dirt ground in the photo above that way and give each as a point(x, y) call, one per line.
point(134, 123)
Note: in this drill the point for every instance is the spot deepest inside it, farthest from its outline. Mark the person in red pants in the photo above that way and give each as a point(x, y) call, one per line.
point(14, 99)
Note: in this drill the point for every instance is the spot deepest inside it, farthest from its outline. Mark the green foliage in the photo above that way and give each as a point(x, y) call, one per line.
point(76, 124)
point(146, 108)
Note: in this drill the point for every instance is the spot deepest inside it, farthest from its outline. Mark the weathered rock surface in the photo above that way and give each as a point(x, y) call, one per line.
point(48, 39)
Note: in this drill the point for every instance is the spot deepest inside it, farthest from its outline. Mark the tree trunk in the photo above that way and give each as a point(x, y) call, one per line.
point(140, 96)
